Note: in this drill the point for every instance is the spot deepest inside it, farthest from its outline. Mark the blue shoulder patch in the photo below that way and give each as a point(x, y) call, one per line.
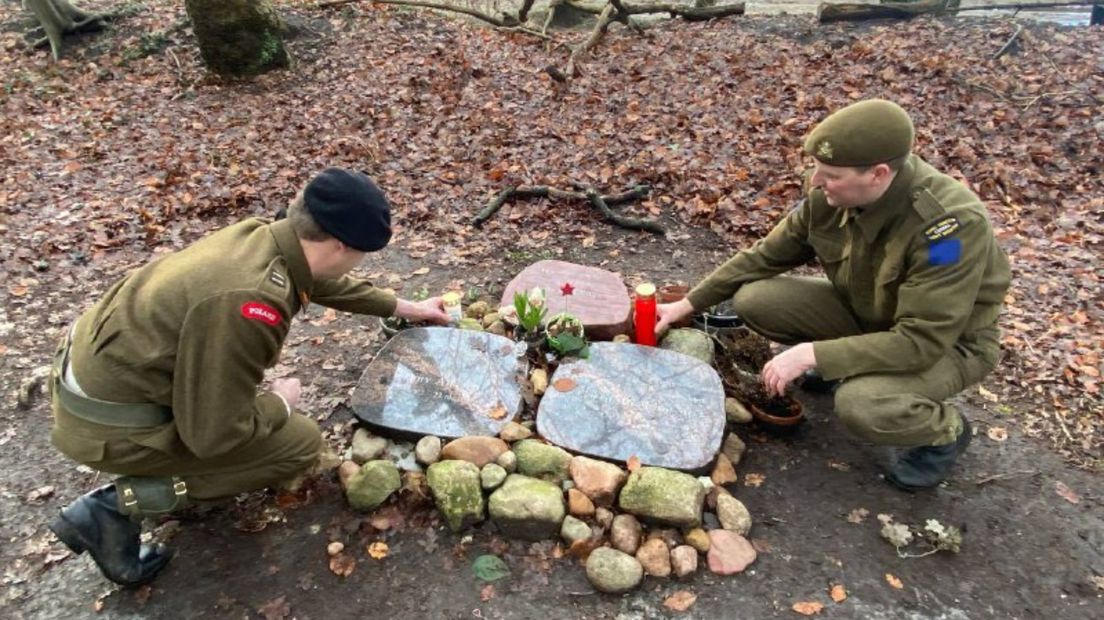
point(944, 251)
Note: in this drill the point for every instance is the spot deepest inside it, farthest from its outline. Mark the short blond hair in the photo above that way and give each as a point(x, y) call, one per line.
point(303, 223)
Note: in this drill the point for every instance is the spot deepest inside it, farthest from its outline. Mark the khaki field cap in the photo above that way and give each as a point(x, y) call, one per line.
point(862, 134)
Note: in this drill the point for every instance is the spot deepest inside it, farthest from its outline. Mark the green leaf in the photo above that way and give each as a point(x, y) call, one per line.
point(490, 568)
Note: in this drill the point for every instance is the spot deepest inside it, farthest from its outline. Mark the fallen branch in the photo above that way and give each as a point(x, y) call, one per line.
point(507, 21)
point(600, 202)
point(688, 13)
point(1012, 474)
point(1008, 45)
point(621, 220)
point(595, 36)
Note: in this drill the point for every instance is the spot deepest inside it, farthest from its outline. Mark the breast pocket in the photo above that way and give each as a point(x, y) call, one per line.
point(834, 254)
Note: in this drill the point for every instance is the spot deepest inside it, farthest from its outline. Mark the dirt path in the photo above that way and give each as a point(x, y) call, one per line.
point(1027, 553)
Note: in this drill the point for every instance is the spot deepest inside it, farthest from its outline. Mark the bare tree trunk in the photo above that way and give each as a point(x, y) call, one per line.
point(58, 18)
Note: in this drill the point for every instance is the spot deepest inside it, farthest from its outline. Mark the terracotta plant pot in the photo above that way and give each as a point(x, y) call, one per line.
point(796, 415)
point(669, 294)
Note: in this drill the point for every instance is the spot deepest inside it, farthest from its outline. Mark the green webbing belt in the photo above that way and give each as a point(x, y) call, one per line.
point(127, 415)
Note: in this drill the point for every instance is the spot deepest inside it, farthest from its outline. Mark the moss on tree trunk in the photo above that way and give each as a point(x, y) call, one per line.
point(238, 37)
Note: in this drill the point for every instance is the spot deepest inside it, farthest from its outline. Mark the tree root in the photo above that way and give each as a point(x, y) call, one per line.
point(598, 201)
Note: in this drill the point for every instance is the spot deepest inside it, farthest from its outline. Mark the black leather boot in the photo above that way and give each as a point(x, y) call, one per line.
point(94, 524)
point(925, 467)
point(812, 382)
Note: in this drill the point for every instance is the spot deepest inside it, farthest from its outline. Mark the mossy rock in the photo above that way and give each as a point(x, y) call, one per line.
point(663, 496)
point(540, 460)
point(372, 485)
point(458, 492)
point(527, 508)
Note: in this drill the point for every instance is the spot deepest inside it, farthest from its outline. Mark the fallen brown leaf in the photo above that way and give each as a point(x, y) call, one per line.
point(680, 601)
point(893, 581)
point(142, 595)
point(754, 480)
point(276, 609)
point(838, 593)
point(378, 550)
point(342, 565)
point(1067, 493)
point(808, 608)
point(564, 385)
point(858, 515)
point(997, 433)
point(582, 549)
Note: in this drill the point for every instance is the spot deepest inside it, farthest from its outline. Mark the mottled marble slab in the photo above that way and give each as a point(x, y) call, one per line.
point(442, 381)
point(665, 408)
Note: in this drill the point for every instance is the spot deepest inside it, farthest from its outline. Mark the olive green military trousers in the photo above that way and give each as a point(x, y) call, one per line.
point(257, 464)
point(894, 409)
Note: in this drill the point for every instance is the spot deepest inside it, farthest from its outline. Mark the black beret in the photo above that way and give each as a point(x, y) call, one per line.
point(349, 206)
point(862, 134)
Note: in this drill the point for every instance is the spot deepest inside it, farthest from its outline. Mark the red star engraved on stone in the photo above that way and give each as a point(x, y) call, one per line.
point(567, 289)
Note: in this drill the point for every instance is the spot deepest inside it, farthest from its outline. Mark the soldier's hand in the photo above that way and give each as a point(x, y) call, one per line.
point(431, 310)
point(787, 366)
point(289, 389)
point(666, 314)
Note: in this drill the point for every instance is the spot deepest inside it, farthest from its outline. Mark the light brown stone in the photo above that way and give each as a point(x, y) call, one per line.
point(733, 448)
point(625, 534)
point(476, 450)
point(578, 504)
point(345, 473)
point(514, 432)
point(723, 471)
point(729, 553)
point(733, 515)
point(698, 539)
point(603, 517)
point(655, 557)
point(599, 480)
point(684, 560)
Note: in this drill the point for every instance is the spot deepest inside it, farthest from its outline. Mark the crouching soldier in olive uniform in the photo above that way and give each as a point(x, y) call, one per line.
point(907, 316)
point(159, 381)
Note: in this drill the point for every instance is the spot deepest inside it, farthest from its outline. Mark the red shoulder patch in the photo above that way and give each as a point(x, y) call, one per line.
point(261, 312)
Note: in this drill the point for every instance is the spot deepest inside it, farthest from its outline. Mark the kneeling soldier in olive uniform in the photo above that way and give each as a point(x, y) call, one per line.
point(908, 314)
point(158, 381)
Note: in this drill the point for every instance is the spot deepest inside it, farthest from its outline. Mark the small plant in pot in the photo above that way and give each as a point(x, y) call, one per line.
point(565, 336)
point(392, 325)
point(530, 311)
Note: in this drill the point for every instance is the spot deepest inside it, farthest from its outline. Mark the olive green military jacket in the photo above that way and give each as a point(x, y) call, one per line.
point(920, 269)
point(195, 331)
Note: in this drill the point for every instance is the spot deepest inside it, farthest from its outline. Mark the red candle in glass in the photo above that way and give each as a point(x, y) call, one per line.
point(644, 314)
